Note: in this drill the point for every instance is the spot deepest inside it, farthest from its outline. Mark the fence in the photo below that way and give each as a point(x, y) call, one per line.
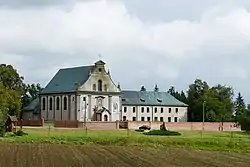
point(66, 124)
point(29, 122)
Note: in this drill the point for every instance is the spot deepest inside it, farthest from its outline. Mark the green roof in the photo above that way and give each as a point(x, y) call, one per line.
point(66, 80)
point(150, 98)
point(143, 98)
point(32, 105)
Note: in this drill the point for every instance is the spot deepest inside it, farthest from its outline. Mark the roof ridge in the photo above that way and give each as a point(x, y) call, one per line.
point(67, 68)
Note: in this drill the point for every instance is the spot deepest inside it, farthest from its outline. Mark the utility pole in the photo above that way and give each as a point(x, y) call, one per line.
point(203, 115)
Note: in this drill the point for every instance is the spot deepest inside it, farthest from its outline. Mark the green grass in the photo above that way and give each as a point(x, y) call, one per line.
point(235, 141)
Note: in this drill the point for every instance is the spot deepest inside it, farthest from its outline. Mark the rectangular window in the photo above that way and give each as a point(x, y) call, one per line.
point(133, 109)
point(162, 110)
point(169, 110)
point(142, 110)
point(148, 118)
point(161, 119)
point(155, 110)
point(125, 109)
point(142, 119)
point(134, 118)
point(156, 119)
point(176, 110)
point(175, 119)
point(147, 109)
point(169, 119)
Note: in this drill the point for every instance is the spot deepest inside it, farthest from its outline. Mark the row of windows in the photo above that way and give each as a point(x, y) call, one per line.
point(100, 87)
point(65, 103)
point(149, 119)
point(155, 109)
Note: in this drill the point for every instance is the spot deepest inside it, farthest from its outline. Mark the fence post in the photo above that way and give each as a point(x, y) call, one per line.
point(42, 121)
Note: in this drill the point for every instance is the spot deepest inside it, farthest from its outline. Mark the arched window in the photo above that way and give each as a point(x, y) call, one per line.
point(100, 85)
point(65, 103)
point(94, 87)
point(44, 103)
point(50, 103)
point(124, 118)
point(105, 88)
point(57, 103)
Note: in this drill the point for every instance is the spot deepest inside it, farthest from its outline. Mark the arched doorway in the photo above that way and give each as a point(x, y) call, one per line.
point(105, 117)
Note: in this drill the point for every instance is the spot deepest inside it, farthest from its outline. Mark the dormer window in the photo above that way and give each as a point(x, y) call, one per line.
point(159, 100)
point(143, 100)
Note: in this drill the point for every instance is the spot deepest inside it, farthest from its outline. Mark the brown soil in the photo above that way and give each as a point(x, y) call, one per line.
point(38, 155)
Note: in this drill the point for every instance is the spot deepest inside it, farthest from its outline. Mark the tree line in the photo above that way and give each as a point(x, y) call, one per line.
point(217, 101)
point(14, 93)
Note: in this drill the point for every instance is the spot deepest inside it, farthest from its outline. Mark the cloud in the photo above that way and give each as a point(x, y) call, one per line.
point(215, 47)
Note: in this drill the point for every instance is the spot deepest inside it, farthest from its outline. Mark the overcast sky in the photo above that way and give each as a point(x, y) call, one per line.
point(143, 42)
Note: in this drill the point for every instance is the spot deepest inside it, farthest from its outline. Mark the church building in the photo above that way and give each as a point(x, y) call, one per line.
point(88, 93)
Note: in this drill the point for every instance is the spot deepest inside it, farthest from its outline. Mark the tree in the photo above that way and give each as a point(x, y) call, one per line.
point(196, 95)
point(240, 107)
point(211, 116)
point(12, 84)
point(10, 77)
point(218, 102)
point(221, 101)
point(171, 91)
point(244, 121)
point(3, 108)
point(179, 96)
point(29, 93)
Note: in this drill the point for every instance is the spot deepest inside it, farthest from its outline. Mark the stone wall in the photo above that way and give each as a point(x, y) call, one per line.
point(208, 126)
point(96, 125)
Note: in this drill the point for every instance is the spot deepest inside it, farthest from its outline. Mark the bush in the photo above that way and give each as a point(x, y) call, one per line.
point(20, 133)
point(163, 127)
point(162, 133)
point(2, 130)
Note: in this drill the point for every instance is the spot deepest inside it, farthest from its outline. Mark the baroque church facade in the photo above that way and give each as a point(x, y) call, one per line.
point(88, 93)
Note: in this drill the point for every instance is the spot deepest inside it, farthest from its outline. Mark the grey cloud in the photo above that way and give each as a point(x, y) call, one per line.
point(137, 52)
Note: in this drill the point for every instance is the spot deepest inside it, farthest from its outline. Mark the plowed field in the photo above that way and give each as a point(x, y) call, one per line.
point(48, 155)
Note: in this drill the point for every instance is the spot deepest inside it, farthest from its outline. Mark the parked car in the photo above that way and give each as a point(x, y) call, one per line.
point(144, 127)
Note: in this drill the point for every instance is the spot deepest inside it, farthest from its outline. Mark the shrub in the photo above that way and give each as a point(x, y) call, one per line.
point(20, 133)
point(2, 129)
point(162, 133)
point(163, 127)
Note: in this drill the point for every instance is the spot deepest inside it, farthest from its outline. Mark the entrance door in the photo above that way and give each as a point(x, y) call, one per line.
point(105, 118)
point(98, 117)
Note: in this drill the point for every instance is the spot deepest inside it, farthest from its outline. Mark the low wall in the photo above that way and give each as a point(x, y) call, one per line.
point(65, 124)
point(208, 126)
point(93, 125)
point(29, 122)
point(98, 125)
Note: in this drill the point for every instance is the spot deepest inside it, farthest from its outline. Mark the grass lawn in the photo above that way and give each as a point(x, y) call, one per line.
point(235, 141)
